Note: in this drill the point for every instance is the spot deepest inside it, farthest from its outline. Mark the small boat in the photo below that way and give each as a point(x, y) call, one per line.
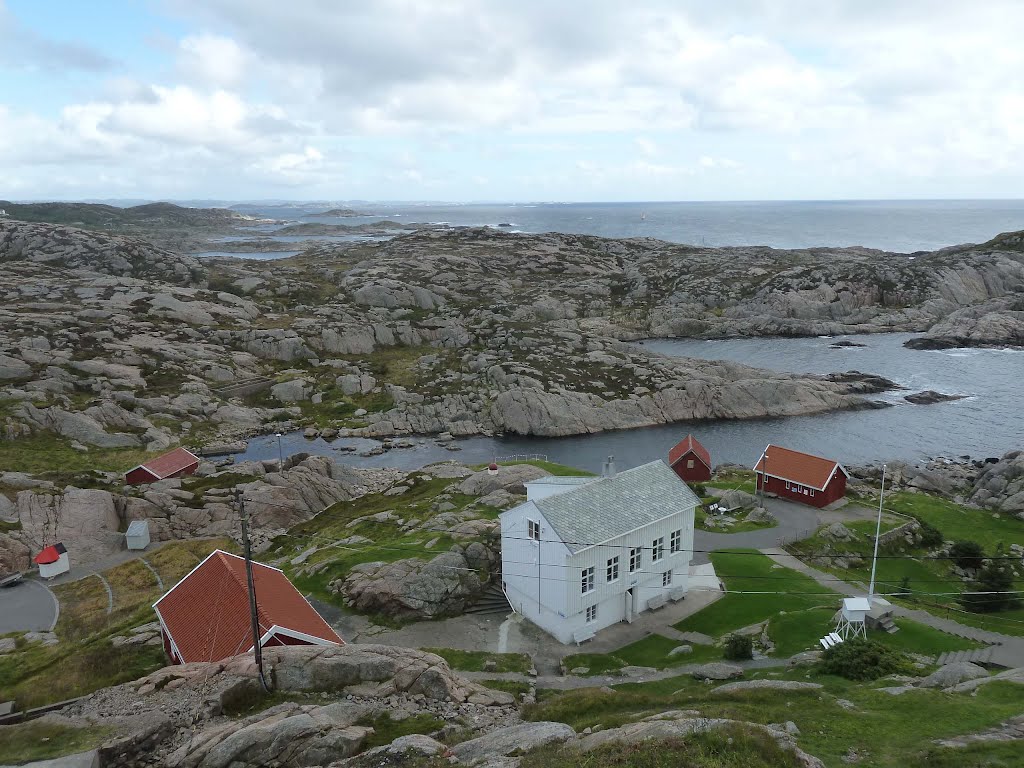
point(643, 217)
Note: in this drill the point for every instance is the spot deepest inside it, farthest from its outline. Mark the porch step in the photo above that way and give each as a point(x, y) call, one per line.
point(493, 600)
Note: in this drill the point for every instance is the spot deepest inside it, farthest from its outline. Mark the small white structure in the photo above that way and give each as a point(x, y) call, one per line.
point(852, 618)
point(583, 553)
point(53, 561)
point(137, 536)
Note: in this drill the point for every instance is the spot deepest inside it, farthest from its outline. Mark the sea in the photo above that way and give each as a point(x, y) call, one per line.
point(985, 422)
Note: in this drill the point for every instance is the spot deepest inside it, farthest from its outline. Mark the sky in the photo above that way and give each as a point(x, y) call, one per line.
point(472, 100)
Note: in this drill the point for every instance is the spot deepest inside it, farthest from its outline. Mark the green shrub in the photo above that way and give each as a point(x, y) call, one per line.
point(967, 554)
point(859, 659)
point(738, 647)
point(991, 591)
point(931, 536)
point(699, 490)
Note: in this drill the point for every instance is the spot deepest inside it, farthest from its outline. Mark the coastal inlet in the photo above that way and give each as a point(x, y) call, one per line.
point(984, 422)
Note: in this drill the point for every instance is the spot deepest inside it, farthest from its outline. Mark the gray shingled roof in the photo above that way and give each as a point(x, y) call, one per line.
point(137, 528)
point(612, 506)
point(562, 480)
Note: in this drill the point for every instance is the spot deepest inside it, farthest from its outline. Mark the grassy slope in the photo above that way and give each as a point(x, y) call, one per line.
point(40, 741)
point(889, 731)
point(473, 661)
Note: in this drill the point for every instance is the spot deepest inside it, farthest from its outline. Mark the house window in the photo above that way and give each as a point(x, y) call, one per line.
point(587, 582)
point(689, 463)
point(533, 529)
point(591, 614)
point(675, 542)
point(634, 559)
point(657, 549)
point(810, 491)
point(666, 578)
point(612, 571)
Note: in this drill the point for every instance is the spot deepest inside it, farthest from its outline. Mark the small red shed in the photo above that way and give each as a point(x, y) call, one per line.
point(800, 476)
point(205, 616)
point(177, 463)
point(690, 460)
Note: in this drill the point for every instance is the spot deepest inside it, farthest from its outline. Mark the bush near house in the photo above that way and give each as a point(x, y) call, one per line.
point(739, 647)
point(859, 659)
point(967, 554)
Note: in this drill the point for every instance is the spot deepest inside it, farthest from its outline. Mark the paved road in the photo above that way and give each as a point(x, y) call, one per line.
point(27, 607)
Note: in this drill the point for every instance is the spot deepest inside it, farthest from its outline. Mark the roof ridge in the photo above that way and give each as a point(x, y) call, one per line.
point(243, 584)
point(794, 450)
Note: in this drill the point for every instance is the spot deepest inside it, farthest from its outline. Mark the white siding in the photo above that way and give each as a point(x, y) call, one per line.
point(532, 570)
point(558, 576)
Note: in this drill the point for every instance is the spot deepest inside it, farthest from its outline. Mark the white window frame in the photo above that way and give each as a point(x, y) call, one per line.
point(587, 581)
point(810, 491)
point(611, 572)
point(689, 463)
point(658, 549)
point(675, 542)
point(635, 559)
point(666, 578)
point(591, 614)
point(533, 529)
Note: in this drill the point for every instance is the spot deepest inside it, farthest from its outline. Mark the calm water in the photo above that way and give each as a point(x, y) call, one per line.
point(903, 226)
point(985, 423)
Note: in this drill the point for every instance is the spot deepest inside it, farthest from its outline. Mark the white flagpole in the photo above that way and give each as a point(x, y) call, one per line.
point(878, 534)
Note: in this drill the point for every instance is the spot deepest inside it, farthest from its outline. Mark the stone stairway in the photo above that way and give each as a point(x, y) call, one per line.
point(977, 656)
point(492, 601)
point(886, 624)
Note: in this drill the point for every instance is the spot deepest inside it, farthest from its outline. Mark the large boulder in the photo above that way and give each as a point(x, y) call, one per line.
point(419, 589)
point(511, 478)
point(953, 674)
point(717, 670)
point(515, 739)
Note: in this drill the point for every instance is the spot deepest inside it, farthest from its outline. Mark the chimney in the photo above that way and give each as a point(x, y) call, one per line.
point(608, 470)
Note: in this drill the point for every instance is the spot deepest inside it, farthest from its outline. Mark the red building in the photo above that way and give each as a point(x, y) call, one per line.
point(690, 460)
point(800, 476)
point(205, 616)
point(177, 463)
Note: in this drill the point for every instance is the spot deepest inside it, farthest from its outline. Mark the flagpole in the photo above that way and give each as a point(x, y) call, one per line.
point(878, 535)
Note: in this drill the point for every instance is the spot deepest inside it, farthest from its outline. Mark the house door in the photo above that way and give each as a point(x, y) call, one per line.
point(629, 605)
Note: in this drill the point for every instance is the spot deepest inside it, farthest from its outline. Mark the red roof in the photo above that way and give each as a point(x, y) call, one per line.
point(50, 555)
point(169, 464)
point(686, 445)
point(206, 614)
point(797, 467)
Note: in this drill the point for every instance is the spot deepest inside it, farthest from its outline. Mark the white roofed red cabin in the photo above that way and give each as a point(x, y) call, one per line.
point(690, 460)
point(178, 463)
point(205, 616)
point(800, 476)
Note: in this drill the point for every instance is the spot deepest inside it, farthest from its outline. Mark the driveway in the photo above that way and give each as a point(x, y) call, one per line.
point(796, 521)
point(27, 607)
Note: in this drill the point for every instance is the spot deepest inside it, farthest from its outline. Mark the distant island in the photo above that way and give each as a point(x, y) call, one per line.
point(338, 212)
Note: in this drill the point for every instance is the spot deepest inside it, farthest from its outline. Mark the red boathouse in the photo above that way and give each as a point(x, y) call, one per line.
point(800, 476)
point(177, 463)
point(205, 616)
point(690, 460)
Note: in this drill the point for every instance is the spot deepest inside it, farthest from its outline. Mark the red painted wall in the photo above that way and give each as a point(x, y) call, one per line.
point(167, 648)
point(139, 476)
point(699, 473)
point(834, 491)
point(284, 640)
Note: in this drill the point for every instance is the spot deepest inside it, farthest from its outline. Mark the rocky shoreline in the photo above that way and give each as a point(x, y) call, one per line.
point(110, 342)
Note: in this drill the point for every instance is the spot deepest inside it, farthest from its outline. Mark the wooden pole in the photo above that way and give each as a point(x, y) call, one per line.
point(256, 646)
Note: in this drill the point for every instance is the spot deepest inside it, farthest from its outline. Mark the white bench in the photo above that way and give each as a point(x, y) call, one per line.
point(582, 635)
point(656, 602)
point(677, 594)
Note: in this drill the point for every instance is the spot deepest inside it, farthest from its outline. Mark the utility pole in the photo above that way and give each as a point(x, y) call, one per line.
point(764, 471)
point(280, 454)
point(878, 534)
point(256, 647)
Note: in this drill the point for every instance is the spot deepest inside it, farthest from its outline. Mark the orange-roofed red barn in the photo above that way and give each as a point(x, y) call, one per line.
point(690, 460)
point(800, 476)
point(177, 463)
point(205, 616)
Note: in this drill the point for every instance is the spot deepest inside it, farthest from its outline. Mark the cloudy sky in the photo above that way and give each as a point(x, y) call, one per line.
point(524, 100)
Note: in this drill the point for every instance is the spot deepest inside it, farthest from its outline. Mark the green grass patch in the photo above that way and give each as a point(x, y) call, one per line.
point(35, 740)
point(959, 523)
point(386, 730)
point(730, 747)
point(173, 561)
point(561, 470)
point(888, 731)
point(981, 755)
point(45, 452)
point(473, 661)
point(750, 571)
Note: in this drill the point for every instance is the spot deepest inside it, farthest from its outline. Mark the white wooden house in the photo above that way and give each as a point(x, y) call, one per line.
point(582, 554)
